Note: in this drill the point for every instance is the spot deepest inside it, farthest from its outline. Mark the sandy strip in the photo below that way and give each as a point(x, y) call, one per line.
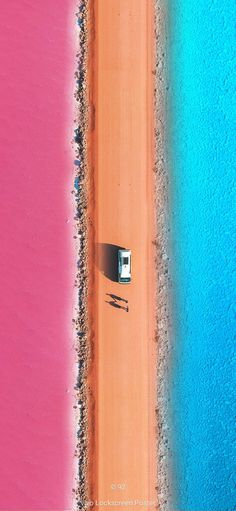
point(123, 154)
point(119, 375)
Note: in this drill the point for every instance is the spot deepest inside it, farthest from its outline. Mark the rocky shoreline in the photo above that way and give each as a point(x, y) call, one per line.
point(81, 321)
point(163, 290)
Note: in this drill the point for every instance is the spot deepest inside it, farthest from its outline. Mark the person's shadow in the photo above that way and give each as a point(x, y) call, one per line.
point(107, 259)
point(117, 305)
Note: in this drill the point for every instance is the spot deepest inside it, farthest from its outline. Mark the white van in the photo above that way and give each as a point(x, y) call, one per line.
point(124, 266)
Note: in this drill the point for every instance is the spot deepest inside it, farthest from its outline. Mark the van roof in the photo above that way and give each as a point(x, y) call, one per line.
point(124, 252)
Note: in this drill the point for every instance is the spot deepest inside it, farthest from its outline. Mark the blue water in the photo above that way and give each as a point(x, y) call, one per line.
point(201, 109)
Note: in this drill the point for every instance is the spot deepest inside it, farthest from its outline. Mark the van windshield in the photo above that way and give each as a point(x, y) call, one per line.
point(125, 260)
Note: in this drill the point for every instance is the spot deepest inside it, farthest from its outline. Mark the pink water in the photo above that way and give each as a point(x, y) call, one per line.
point(36, 257)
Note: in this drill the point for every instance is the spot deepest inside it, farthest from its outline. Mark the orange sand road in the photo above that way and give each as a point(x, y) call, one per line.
point(124, 216)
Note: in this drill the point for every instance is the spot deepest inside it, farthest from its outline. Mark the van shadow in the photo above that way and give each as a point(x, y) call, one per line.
point(107, 259)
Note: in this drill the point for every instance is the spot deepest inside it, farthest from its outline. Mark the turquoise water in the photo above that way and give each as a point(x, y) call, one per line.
point(201, 106)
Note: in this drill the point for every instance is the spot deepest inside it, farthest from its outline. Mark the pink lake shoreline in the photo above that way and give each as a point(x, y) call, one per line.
point(37, 257)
